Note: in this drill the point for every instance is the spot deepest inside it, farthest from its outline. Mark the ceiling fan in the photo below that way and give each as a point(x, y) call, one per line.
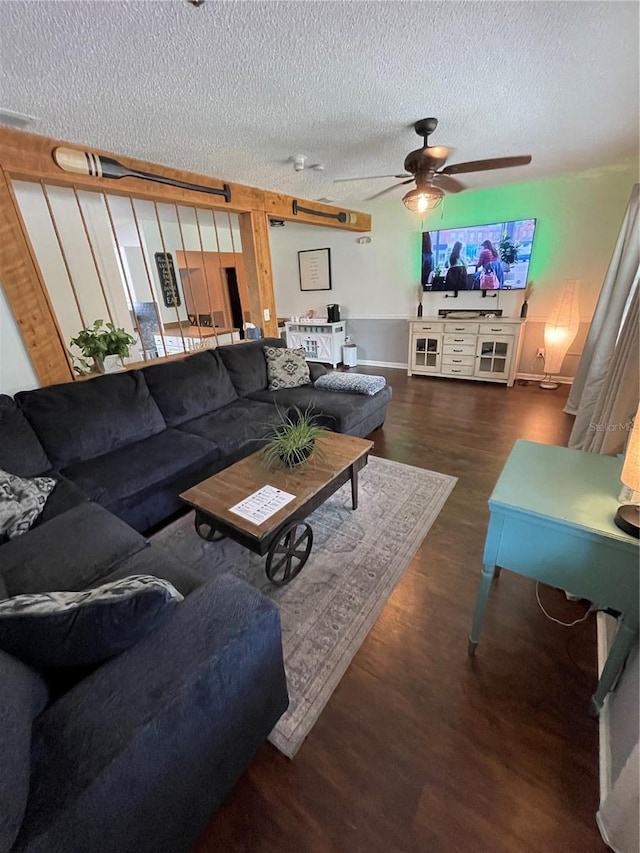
point(425, 167)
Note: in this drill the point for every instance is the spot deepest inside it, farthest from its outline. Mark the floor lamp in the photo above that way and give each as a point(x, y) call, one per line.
point(560, 331)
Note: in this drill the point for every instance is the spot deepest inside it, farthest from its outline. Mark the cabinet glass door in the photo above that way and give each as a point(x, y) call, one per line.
point(426, 352)
point(493, 357)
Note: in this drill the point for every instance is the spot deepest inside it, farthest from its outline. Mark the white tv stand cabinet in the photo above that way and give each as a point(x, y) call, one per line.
point(481, 348)
point(321, 340)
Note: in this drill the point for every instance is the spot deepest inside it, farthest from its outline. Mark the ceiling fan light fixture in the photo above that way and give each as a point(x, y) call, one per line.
point(422, 200)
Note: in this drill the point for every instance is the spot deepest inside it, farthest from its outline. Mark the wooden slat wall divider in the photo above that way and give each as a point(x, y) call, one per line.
point(124, 274)
point(221, 272)
point(204, 269)
point(147, 272)
point(173, 289)
point(188, 270)
point(93, 254)
point(29, 157)
point(63, 253)
point(26, 294)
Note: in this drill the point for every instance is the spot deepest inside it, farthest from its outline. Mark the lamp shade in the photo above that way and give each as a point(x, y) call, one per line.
point(422, 199)
point(631, 469)
point(561, 327)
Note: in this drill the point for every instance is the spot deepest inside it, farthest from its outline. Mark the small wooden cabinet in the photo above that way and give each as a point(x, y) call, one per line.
point(320, 341)
point(485, 349)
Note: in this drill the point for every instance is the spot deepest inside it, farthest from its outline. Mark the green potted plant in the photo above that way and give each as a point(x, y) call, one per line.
point(293, 440)
point(100, 342)
point(508, 250)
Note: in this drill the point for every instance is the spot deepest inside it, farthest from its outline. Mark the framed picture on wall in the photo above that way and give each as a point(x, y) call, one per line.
point(315, 269)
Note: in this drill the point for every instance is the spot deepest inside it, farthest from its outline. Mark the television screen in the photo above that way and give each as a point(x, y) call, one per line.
point(478, 257)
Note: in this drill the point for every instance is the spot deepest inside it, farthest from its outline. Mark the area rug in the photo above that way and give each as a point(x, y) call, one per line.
point(357, 559)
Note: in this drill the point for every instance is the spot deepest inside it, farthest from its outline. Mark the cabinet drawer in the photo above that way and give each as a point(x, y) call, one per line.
point(466, 360)
point(460, 340)
point(459, 349)
point(497, 328)
point(457, 370)
point(418, 328)
point(463, 328)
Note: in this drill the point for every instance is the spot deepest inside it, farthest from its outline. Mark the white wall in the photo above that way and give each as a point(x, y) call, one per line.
point(578, 217)
point(16, 370)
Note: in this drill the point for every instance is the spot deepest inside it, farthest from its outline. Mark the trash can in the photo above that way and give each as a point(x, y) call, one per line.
point(350, 355)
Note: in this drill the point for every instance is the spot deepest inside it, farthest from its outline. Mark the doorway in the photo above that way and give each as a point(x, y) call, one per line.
point(235, 303)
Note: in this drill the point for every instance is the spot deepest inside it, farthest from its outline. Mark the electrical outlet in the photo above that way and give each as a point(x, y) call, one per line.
point(540, 352)
point(267, 315)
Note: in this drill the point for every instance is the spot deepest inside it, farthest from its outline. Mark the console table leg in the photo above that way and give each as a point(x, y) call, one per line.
point(481, 605)
point(354, 487)
point(623, 641)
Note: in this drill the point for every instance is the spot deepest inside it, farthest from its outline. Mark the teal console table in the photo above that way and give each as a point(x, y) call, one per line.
point(551, 519)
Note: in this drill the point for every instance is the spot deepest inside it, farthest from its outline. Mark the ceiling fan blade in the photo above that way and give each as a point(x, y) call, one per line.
point(447, 183)
point(369, 178)
point(388, 189)
point(486, 165)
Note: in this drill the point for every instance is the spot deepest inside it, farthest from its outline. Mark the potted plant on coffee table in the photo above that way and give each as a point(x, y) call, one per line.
point(293, 440)
point(104, 344)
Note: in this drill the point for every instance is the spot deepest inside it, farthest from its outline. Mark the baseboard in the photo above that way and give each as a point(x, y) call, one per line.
point(538, 377)
point(397, 364)
point(606, 629)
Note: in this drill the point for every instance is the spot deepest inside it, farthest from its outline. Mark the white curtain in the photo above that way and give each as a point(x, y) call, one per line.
point(617, 817)
point(605, 391)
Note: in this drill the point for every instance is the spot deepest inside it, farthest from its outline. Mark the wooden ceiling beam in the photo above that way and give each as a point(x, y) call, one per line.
point(29, 156)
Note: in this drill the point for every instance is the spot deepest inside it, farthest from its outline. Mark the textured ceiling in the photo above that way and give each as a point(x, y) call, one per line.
point(233, 89)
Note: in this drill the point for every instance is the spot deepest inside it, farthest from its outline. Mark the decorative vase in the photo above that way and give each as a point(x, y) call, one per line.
point(305, 452)
point(419, 309)
point(112, 363)
point(524, 309)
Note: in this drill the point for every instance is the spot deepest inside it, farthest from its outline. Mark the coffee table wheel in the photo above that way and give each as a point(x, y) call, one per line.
point(289, 552)
point(206, 530)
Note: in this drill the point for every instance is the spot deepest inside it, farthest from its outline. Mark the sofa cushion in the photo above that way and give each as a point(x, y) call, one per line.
point(187, 388)
point(286, 368)
point(64, 496)
point(20, 449)
point(22, 500)
point(141, 466)
point(80, 420)
point(52, 630)
point(23, 695)
point(161, 564)
point(71, 551)
point(236, 430)
point(247, 365)
point(334, 410)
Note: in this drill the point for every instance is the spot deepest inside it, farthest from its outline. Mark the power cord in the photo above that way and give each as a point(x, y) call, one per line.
point(558, 621)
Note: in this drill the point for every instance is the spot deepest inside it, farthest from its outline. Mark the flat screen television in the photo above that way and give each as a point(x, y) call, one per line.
point(474, 265)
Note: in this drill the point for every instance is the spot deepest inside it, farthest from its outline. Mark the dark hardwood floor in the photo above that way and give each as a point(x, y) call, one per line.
point(422, 749)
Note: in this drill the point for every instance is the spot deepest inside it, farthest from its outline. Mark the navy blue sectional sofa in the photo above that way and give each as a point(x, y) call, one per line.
point(136, 754)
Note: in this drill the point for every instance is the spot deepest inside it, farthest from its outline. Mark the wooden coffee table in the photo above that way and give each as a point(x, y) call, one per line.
point(286, 538)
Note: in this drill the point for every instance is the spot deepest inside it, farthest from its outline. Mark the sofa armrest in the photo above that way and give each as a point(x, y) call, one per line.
point(316, 370)
point(138, 755)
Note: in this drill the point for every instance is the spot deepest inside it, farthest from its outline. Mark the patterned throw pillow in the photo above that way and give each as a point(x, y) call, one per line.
point(351, 383)
point(286, 368)
point(22, 499)
point(59, 629)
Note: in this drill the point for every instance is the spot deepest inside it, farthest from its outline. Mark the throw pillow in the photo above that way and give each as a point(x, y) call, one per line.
point(62, 629)
point(286, 368)
point(22, 499)
point(351, 383)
